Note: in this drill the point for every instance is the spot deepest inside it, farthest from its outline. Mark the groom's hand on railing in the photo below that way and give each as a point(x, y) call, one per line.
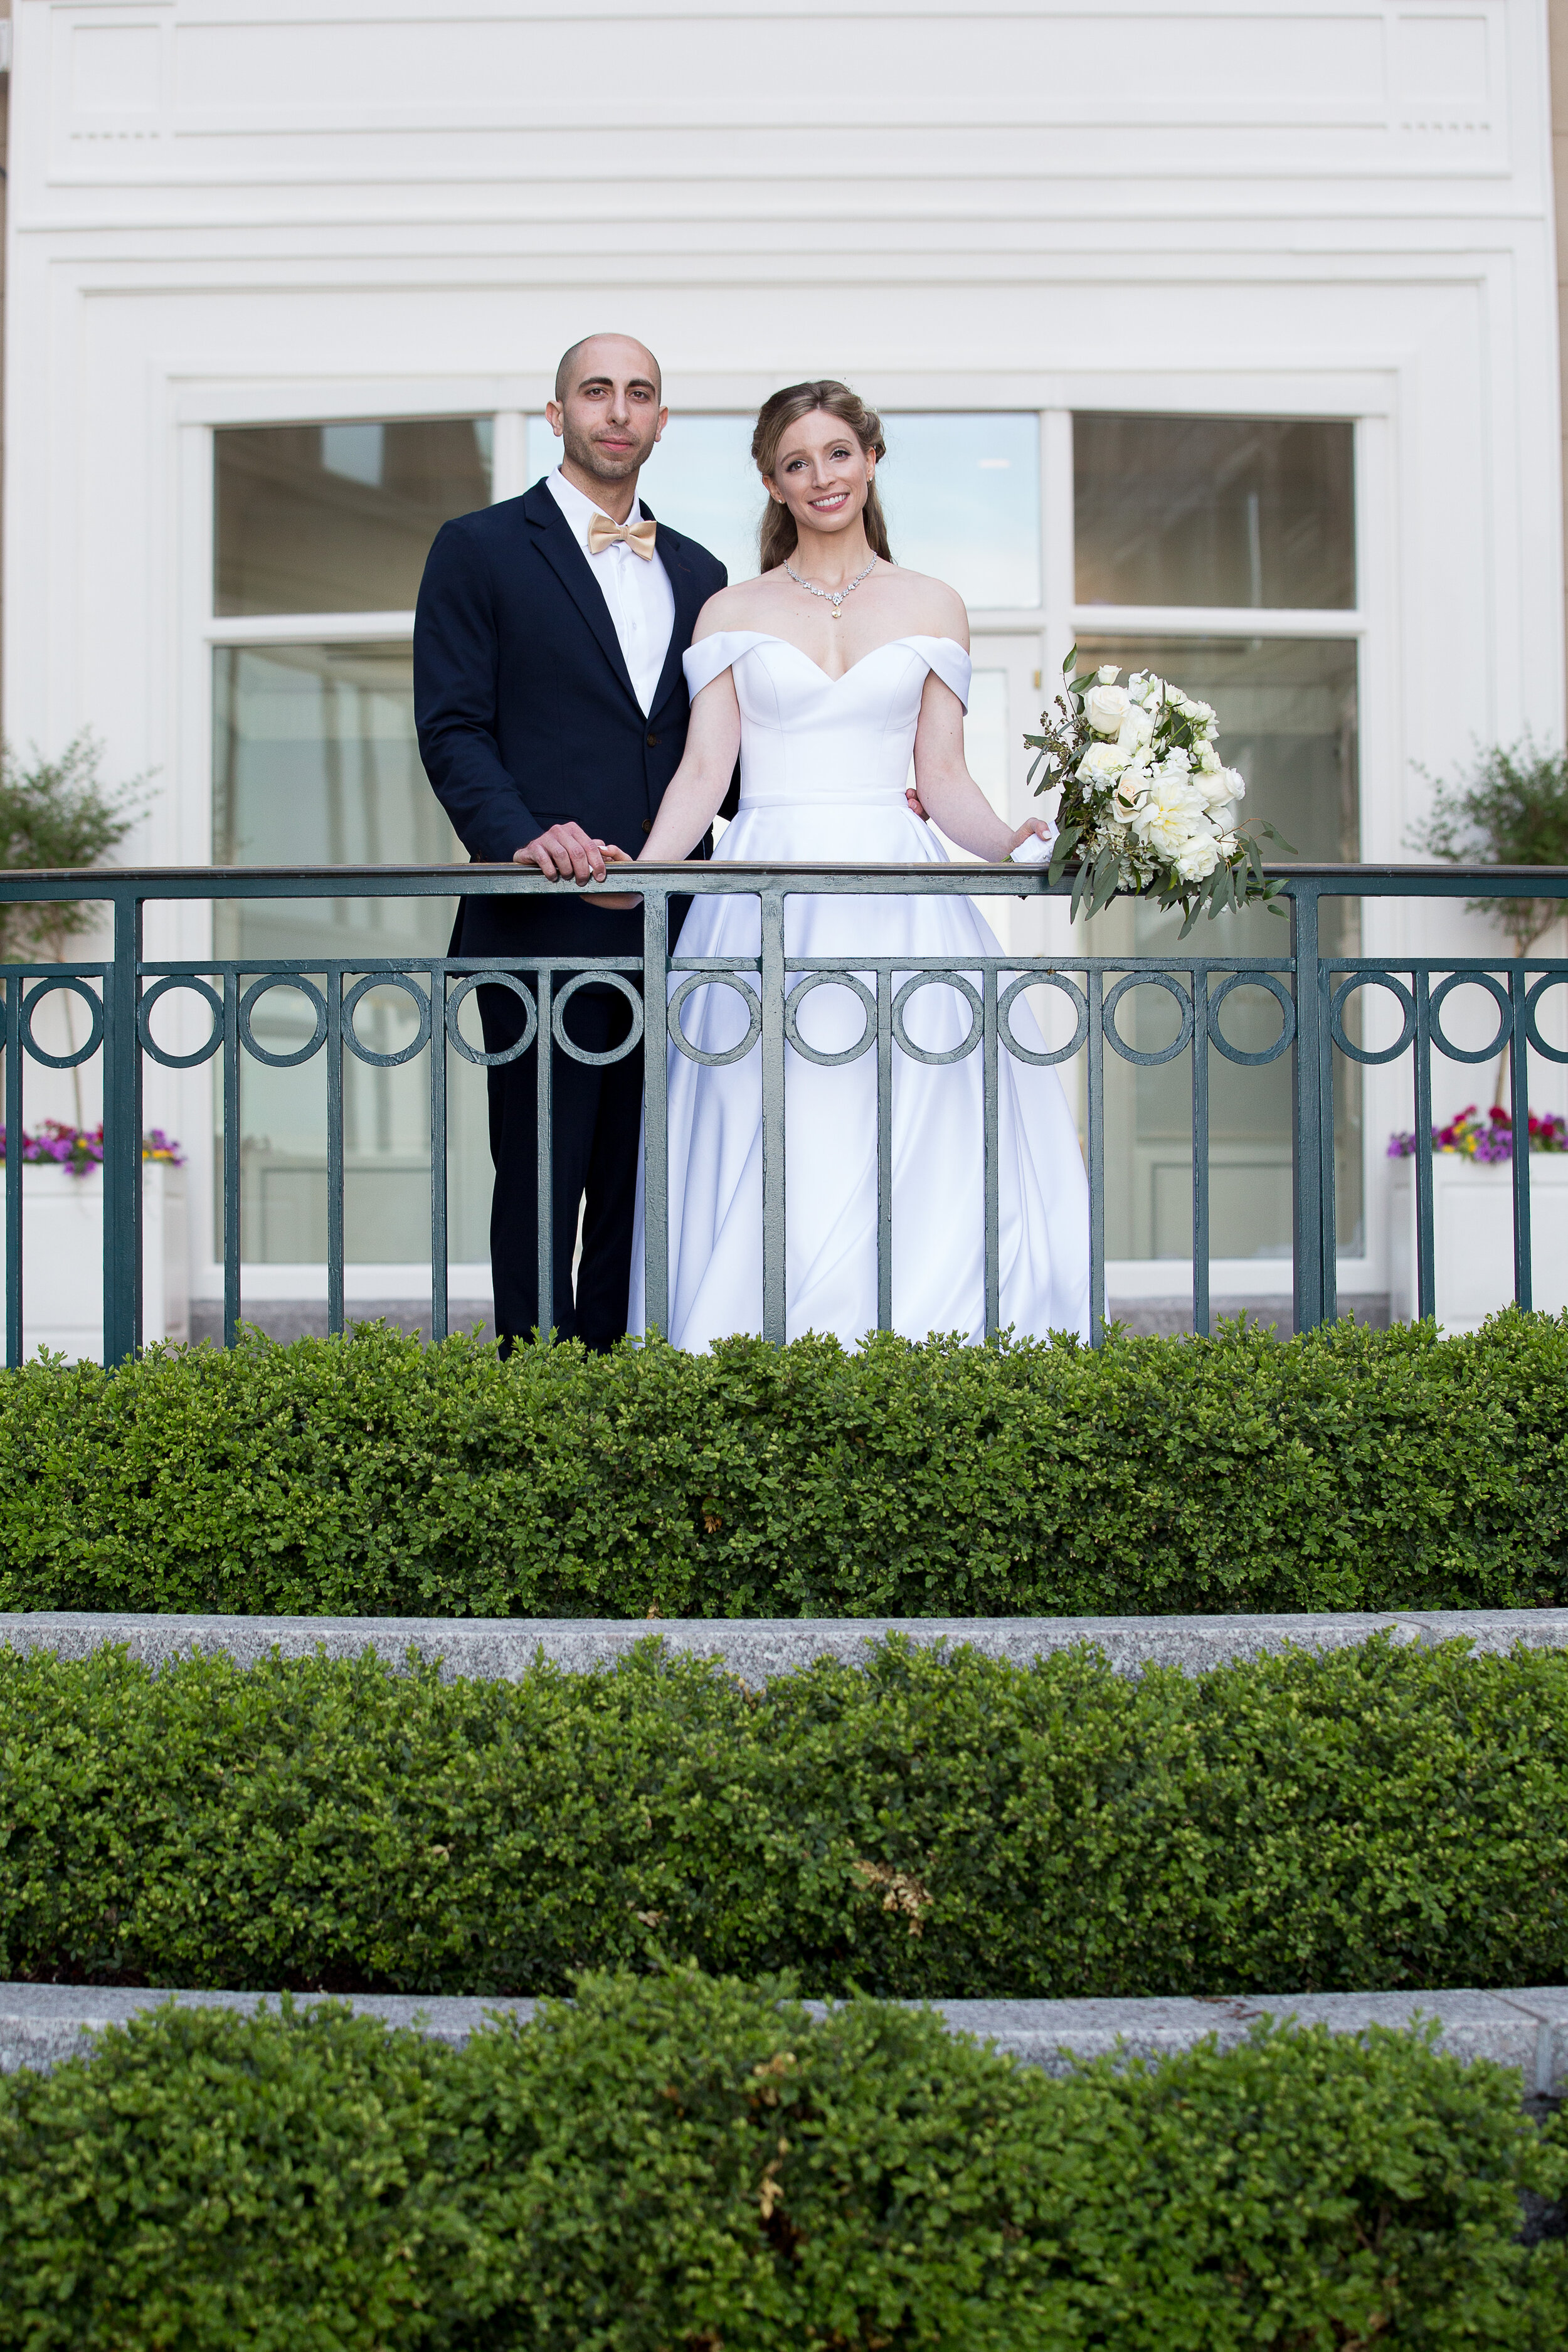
point(565, 853)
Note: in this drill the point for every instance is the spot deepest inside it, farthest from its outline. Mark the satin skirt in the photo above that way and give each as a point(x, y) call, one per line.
point(830, 1122)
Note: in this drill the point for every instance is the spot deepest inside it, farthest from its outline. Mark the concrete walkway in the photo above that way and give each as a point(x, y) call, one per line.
point(40, 2024)
point(756, 1648)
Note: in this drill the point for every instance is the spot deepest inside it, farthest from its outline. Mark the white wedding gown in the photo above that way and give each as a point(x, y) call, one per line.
point(824, 765)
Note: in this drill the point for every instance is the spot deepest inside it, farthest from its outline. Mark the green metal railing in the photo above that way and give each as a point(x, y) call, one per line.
point(1315, 994)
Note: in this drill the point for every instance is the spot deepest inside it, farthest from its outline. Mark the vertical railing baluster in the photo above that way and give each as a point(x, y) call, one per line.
point(1200, 980)
point(122, 1135)
point(14, 1171)
point(1519, 1101)
point(884, 1151)
point(335, 1151)
point(774, 1294)
point(655, 1106)
point(436, 976)
point(1327, 1177)
point(544, 1162)
point(1095, 1156)
point(231, 1162)
point(1425, 1281)
point(1306, 1154)
point(990, 1046)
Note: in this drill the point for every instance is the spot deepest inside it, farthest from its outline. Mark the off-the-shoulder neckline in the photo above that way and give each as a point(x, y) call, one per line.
point(772, 638)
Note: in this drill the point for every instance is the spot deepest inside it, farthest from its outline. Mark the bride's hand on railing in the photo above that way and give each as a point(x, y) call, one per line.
point(1033, 829)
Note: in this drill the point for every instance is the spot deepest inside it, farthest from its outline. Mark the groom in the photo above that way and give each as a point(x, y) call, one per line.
point(552, 709)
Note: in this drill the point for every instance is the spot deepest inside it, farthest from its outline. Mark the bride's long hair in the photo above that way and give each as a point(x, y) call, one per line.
point(777, 534)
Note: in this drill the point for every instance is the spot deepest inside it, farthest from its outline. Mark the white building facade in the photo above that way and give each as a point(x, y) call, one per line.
point(1226, 341)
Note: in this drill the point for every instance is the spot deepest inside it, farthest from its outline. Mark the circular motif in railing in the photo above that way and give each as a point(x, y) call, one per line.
point(95, 1033)
point(1172, 987)
point(313, 996)
point(1341, 998)
point(1531, 1026)
point(1281, 994)
point(803, 988)
point(963, 987)
point(1498, 994)
point(150, 1045)
point(714, 980)
point(575, 1052)
point(361, 988)
point(1070, 989)
point(477, 1053)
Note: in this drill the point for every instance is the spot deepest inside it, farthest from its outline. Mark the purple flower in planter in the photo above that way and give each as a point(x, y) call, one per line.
point(79, 1149)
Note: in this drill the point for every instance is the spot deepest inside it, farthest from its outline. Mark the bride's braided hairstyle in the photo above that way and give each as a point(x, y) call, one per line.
point(777, 533)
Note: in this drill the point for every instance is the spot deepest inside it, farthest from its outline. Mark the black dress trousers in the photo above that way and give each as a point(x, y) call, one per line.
point(595, 1115)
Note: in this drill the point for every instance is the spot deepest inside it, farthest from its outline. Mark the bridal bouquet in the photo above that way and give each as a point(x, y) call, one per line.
point(1147, 804)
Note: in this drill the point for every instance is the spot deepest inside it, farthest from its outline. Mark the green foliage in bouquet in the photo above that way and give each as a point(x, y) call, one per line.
point(371, 1475)
point(679, 2165)
point(1147, 804)
point(928, 1825)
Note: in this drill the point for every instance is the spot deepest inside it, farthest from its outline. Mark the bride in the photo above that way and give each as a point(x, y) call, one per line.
point(825, 672)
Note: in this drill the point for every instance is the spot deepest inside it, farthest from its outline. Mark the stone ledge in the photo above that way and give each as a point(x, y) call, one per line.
point(501, 1649)
point(1526, 2028)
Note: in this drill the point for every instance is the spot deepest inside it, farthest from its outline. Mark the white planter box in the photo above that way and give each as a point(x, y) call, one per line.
point(62, 1258)
point(1472, 1235)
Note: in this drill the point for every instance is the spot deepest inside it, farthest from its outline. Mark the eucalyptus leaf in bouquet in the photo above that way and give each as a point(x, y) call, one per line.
point(1147, 804)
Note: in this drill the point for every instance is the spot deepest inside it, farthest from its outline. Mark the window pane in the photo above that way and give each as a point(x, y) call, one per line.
point(316, 765)
point(962, 496)
point(1213, 510)
point(339, 518)
point(1287, 712)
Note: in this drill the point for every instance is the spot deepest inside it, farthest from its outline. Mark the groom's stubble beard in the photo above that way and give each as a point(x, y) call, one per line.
point(604, 468)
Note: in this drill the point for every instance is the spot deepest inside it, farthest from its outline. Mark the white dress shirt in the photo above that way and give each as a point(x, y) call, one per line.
point(636, 588)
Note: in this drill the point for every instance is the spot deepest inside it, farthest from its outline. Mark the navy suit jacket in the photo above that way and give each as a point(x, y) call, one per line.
point(526, 713)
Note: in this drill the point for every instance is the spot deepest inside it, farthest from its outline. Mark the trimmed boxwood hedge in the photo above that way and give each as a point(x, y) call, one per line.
point(686, 2165)
point(927, 1826)
point(1348, 1469)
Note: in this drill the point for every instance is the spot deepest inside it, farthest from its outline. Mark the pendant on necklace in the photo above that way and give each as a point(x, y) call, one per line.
point(838, 609)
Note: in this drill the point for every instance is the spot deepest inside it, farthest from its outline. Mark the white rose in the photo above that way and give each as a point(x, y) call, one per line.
point(1101, 764)
point(1137, 728)
point(1127, 796)
point(1209, 761)
point(1108, 674)
point(1236, 784)
point(1105, 708)
point(1224, 821)
point(1197, 857)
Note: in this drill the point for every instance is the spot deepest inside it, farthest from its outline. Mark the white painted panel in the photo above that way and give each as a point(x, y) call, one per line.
point(1075, 66)
point(115, 69)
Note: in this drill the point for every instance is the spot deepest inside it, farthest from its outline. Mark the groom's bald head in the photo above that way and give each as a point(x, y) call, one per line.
point(611, 357)
point(609, 410)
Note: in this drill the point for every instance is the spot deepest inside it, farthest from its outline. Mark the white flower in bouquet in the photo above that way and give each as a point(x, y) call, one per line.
point(1148, 804)
point(1105, 708)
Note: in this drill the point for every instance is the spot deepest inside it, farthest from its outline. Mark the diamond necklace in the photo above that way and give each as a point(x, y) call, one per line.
point(834, 596)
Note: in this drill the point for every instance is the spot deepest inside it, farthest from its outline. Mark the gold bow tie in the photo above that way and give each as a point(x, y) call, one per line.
point(638, 536)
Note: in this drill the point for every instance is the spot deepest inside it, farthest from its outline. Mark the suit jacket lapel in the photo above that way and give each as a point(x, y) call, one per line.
point(557, 543)
point(689, 603)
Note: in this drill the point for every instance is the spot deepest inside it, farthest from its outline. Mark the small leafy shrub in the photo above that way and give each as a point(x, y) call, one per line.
point(697, 2164)
point(927, 1826)
point(1348, 1469)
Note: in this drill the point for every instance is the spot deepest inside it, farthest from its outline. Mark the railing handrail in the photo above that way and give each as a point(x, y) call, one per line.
point(161, 882)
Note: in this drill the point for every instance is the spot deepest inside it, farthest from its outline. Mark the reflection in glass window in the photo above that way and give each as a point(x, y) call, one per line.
point(315, 763)
point(1287, 720)
point(339, 518)
point(1213, 510)
point(962, 496)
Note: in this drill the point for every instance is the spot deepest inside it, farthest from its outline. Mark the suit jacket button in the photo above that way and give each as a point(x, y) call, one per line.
point(648, 824)
point(652, 741)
